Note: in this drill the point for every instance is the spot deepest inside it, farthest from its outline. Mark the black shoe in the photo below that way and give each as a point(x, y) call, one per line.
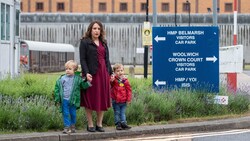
point(99, 129)
point(125, 126)
point(90, 129)
point(118, 126)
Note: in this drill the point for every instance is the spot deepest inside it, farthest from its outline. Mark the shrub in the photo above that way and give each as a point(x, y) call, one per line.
point(26, 103)
point(238, 104)
point(135, 112)
point(108, 119)
point(160, 107)
point(28, 85)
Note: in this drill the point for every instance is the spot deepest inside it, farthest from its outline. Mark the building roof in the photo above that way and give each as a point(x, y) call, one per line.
point(46, 46)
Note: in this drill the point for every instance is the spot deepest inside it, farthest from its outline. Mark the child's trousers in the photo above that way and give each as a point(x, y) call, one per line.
point(69, 113)
point(119, 111)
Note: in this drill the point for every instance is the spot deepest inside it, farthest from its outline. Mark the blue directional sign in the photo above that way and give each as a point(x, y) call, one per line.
point(186, 57)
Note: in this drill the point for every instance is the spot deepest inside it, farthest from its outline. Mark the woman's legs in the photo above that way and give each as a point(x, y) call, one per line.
point(89, 117)
point(98, 122)
point(99, 118)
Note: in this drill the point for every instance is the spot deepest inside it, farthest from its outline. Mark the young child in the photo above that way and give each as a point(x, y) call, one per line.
point(121, 96)
point(67, 95)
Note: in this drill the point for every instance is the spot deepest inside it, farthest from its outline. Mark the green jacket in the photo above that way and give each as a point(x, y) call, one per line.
point(78, 84)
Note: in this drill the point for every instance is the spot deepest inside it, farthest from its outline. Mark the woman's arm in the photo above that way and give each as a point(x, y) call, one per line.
point(83, 56)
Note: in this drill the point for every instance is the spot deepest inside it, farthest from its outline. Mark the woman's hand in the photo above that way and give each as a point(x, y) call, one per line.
point(89, 77)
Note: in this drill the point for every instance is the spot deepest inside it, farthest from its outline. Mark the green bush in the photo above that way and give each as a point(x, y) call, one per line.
point(188, 104)
point(28, 85)
point(108, 119)
point(9, 120)
point(160, 107)
point(135, 112)
point(238, 104)
point(26, 103)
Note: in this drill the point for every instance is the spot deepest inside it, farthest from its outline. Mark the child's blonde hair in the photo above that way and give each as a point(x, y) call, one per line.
point(71, 63)
point(116, 66)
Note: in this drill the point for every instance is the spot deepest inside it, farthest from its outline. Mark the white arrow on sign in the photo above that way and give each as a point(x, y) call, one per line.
point(160, 38)
point(157, 83)
point(211, 59)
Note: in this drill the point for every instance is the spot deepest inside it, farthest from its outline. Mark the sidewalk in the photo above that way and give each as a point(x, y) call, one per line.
point(236, 123)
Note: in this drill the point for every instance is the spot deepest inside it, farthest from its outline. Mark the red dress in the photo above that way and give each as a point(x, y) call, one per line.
point(97, 97)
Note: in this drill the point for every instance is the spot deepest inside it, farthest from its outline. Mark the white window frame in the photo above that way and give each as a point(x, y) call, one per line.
point(5, 25)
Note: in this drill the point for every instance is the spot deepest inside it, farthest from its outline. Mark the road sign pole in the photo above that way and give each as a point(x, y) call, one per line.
point(146, 50)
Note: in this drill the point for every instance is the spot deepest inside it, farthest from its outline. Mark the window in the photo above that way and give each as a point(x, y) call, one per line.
point(143, 6)
point(3, 34)
point(39, 6)
point(228, 7)
point(186, 7)
point(8, 22)
point(209, 10)
point(60, 6)
point(123, 6)
point(165, 7)
point(218, 10)
point(102, 6)
point(5, 22)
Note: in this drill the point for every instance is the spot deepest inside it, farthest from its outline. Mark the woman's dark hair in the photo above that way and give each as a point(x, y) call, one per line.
point(88, 32)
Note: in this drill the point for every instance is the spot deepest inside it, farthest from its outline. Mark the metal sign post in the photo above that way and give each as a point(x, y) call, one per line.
point(146, 50)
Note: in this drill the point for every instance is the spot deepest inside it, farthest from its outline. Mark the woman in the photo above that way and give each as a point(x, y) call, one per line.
point(94, 59)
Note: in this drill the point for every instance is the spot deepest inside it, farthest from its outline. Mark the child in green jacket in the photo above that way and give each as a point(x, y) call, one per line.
point(67, 95)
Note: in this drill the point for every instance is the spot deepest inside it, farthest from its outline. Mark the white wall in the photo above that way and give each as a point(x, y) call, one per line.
point(231, 59)
point(9, 51)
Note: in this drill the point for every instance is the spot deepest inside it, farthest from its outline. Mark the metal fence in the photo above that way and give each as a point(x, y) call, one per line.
point(123, 38)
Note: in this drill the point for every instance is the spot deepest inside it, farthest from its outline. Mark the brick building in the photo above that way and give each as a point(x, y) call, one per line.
point(130, 6)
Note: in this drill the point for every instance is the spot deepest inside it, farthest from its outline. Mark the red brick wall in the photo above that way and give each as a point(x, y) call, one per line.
point(84, 6)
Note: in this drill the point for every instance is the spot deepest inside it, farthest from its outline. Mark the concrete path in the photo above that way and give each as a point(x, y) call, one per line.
point(243, 82)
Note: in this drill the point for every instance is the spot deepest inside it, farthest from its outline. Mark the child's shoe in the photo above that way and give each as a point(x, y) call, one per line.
point(73, 129)
point(118, 126)
point(125, 126)
point(66, 130)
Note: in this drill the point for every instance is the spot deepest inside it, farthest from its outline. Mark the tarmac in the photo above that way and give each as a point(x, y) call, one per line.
point(243, 83)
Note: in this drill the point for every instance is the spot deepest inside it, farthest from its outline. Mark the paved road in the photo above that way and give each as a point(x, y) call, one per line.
point(230, 135)
point(247, 72)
